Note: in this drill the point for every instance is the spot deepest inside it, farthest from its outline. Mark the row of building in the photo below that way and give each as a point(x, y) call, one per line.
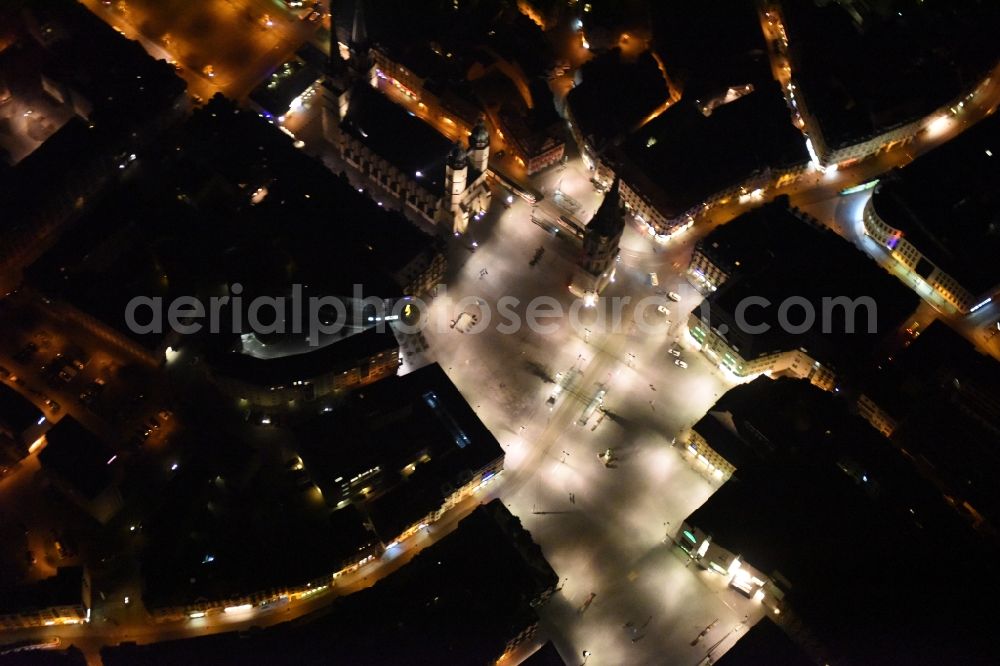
point(81, 102)
point(713, 128)
point(332, 236)
point(76, 464)
point(836, 534)
point(384, 464)
point(771, 307)
point(443, 182)
point(488, 564)
point(938, 218)
point(851, 110)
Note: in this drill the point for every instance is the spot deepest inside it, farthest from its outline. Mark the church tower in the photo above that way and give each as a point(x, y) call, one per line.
point(456, 180)
point(361, 63)
point(336, 90)
point(479, 142)
point(601, 237)
point(342, 73)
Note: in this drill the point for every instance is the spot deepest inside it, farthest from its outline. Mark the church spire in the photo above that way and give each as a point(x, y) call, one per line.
point(608, 219)
point(359, 30)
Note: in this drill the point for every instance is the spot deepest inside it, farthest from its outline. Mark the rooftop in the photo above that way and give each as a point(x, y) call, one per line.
point(635, 88)
point(78, 457)
point(236, 520)
point(458, 601)
point(230, 201)
point(900, 62)
point(765, 643)
point(277, 92)
point(17, 412)
point(547, 655)
point(829, 511)
point(683, 157)
point(397, 136)
point(417, 431)
point(751, 242)
point(343, 355)
point(946, 397)
point(840, 336)
point(709, 47)
point(63, 589)
point(947, 204)
point(723, 441)
point(119, 91)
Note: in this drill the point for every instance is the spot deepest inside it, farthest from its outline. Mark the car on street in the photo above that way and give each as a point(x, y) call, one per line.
point(662, 309)
point(93, 389)
point(675, 352)
point(68, 373)
point(654, 279)
point(679, 363)
point(674, 296)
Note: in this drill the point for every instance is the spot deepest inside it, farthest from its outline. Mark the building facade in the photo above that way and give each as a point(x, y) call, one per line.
point(63, 599)
point(898, 247)
point(599, 255)
point(788, 362)
point(467, 192)
point(286, 382)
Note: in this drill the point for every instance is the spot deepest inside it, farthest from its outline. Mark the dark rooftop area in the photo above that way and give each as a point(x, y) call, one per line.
point(457, 602)
point(751, 242)
point(17, 412)
point(276, 93)
point(115, 74)
point(390, 425)
point(127, 95)
point(187, 226)
point(398, 137)
point(710, 46)
point(635, 88)
point(724, 441)
point(765, 643)
point(938, 362)
point(78, 457)
point(946, 397)
point(788, 422)
point(901, 62)
point(65, 588)
point(825, 266)
point(71, 656)
point(547, 655)
point(238, 519)
point(344, 354)
point(947, 204)
point(831, 512)
point(682, 157)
